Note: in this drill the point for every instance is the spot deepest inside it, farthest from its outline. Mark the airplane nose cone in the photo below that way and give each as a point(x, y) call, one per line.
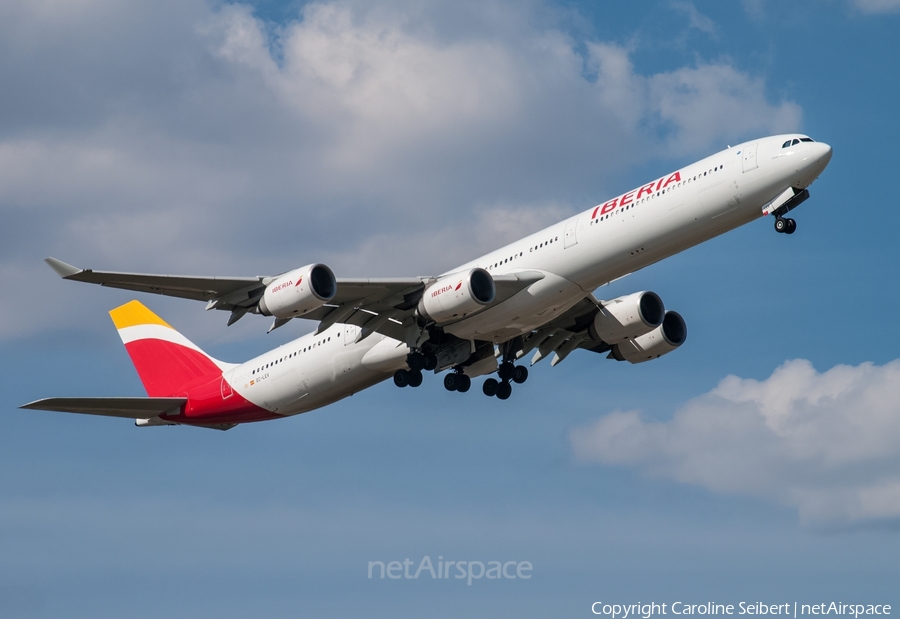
point(823, 153)
point(815, 159)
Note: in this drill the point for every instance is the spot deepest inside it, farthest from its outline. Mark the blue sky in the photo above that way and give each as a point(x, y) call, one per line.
point(760, 462)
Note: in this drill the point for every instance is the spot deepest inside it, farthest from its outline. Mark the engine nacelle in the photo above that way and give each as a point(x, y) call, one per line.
point(298, 292)
point(628, 317)
point(663, 339)
point(457, 296)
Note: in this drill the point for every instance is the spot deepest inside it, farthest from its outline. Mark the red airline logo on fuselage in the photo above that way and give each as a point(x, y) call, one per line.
point(636, 194)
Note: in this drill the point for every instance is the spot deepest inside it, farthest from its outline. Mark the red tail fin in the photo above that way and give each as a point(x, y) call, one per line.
point(166, 361)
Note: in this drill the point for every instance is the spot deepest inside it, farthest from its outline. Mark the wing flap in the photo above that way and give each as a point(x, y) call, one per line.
point(129, 408)
point(386, 292)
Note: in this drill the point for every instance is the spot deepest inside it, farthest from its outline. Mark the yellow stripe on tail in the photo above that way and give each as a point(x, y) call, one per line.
point(135, 313)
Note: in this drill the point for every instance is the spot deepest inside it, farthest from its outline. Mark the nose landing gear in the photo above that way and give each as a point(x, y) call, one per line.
point(785, 225)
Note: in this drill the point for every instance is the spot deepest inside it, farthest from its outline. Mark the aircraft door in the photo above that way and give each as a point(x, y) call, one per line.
point(749, 157)
point(571, 238)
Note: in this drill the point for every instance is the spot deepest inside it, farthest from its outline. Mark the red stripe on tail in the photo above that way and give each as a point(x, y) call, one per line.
point(167, 369)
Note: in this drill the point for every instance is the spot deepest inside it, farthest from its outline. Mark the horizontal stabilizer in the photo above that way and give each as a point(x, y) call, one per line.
point(129, 408)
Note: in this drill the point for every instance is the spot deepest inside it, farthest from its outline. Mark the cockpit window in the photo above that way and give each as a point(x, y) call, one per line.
point(796, 141)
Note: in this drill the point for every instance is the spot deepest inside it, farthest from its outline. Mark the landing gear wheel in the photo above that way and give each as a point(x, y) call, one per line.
point(451, 382)
point(781, 225)
point(506, 370)
point(430, 362)
point(792, 226)
point(463, 383)
point(401, 378)
point(504, 391)
point(490, 387)
point(415, 360)
point(415, 378)
point(520, 374)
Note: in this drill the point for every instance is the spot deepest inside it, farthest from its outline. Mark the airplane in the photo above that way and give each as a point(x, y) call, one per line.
point(478, 319)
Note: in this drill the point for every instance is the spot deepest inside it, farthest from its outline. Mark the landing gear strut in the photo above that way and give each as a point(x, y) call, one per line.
point(785, 225)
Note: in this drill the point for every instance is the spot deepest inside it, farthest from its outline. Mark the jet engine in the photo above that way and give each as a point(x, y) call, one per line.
point(628, 317)
point(455, 296)
point(663, 339)
point(298, 292)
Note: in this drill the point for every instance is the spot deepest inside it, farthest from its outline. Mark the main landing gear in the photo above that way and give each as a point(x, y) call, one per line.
point(502, 388)
point(785, 225)
point(417, 361)
point(411, 378)
point(457, 381)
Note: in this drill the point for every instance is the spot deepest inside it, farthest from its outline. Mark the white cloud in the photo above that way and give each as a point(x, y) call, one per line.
point(696, 19)
point(878, 6)
point(825, 443)
point(176, 137)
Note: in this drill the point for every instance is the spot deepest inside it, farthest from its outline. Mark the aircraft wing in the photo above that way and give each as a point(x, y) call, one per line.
point(232, 290)
point(240, 295)
point(374, 304)
point(129, 408)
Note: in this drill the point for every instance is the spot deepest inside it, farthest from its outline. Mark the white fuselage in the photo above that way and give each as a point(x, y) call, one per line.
point(590, 249)
point(575, 256)
point(315, 370)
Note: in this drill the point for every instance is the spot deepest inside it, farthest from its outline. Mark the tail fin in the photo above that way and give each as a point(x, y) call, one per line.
point(166, 361)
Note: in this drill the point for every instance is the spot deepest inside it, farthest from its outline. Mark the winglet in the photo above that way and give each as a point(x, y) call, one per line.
point(62, 269)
